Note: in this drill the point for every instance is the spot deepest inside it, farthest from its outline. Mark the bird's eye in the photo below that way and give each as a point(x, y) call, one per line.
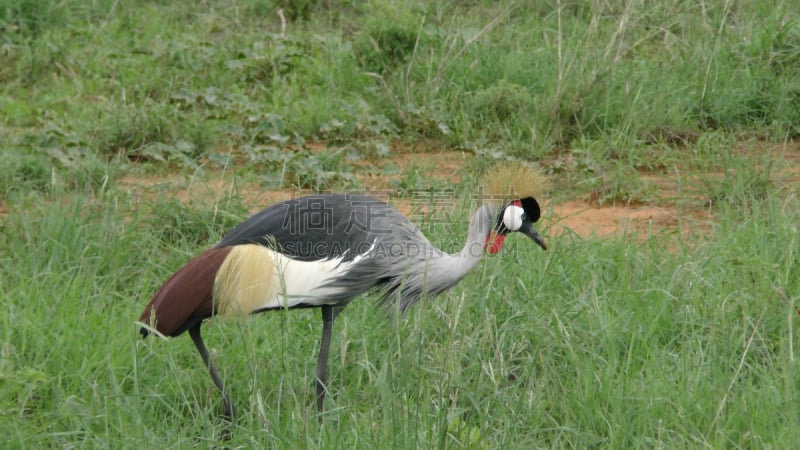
point(524, 216)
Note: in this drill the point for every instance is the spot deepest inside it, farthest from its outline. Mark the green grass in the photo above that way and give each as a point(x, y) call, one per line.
point(525, 76)
point(626, 342)
point(606, 343)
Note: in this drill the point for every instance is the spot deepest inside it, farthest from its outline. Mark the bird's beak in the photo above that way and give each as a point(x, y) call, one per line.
point(528, 230)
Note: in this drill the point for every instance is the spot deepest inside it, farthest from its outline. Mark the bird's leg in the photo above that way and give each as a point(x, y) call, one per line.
point(229, 411)
point(329, 314)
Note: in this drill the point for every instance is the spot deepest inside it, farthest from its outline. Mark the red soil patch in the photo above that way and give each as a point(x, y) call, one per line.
point(442, 167)
point(581, 217)
point(587, 219)
point(209, 189)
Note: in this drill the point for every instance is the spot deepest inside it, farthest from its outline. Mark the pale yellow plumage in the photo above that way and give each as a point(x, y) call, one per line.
point(513, 180)
point(245, 280)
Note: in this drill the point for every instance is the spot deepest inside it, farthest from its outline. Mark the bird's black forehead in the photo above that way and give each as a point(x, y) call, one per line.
point(531, 208)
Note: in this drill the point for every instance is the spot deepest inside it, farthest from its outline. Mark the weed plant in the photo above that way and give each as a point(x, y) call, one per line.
point(527, 75)
point(672, 340)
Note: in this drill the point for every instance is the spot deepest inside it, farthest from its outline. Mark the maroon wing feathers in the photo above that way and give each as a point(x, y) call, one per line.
point(186, 297)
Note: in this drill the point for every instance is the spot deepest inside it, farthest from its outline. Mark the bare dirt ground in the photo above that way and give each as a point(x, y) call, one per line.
point(585, 219)
point(672, 211)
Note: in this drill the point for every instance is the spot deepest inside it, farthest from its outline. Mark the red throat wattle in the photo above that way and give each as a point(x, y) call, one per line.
point(494, 242)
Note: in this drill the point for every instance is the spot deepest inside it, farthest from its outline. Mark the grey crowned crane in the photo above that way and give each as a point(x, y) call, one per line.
point(324, 251)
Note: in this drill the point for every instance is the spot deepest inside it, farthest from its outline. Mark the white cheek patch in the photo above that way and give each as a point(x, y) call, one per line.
point(512, 217)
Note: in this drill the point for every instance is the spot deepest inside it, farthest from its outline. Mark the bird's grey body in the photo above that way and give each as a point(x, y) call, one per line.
point(379, 246)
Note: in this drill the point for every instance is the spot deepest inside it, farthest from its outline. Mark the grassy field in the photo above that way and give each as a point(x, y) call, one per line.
point(665, 339)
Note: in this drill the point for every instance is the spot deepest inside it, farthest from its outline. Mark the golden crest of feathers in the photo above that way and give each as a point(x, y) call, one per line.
point(513, 180)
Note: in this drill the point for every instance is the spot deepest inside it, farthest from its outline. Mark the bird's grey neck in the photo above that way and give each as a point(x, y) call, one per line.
point(452, 268)
point(480, 224)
